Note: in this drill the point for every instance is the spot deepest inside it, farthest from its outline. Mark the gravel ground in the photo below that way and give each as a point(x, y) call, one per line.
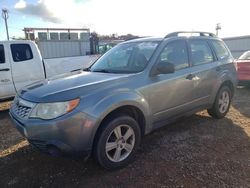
point(197, 151)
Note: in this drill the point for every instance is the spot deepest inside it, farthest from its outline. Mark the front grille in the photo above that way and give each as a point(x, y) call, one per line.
point(21, 108)
point(21, 111)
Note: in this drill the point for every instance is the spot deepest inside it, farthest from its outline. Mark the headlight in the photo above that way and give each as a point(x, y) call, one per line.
point(53, 110)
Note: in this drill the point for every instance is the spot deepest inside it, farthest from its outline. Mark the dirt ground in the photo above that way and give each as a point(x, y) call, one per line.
point(197, 151)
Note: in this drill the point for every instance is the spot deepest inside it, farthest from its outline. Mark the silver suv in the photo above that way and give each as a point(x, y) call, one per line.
point(134, 88)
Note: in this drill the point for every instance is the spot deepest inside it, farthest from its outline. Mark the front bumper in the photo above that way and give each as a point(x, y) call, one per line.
point(68, 135)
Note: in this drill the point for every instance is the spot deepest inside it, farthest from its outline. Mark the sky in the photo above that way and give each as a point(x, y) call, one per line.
point(138, 17)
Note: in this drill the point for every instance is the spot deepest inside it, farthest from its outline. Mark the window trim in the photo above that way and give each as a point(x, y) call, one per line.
point(4, 58)
point(32, 56)
point(188, 55)
point(190, 52)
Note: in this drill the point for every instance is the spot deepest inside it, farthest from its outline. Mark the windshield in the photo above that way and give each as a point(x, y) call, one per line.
point(126, 58)
point(245, 55)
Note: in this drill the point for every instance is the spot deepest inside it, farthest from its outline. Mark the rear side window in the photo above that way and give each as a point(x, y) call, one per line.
point(2, 56)
point(21, 52)
point(220, 49)
point(200, 52)
point(176, 53)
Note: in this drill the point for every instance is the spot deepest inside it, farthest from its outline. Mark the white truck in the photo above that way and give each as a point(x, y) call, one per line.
point(21, 64)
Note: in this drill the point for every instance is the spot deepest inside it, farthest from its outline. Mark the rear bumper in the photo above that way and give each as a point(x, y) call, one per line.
point(244, 83)
point(67, 137)
point(244, 76)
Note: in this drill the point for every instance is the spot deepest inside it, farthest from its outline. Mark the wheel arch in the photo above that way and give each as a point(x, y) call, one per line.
point(228, 83)
point(130, 110)
point(130, 104)
point(224, 79)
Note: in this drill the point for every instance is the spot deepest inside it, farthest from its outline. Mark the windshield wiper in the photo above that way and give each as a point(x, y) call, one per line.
point(86, 69)
point(101, 70)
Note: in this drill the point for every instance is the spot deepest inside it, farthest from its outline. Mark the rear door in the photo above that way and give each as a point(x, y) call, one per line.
point(6, 83)
point(204, 70)
point(26, 64)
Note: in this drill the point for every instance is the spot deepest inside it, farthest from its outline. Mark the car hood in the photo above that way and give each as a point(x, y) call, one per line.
point(70, 86)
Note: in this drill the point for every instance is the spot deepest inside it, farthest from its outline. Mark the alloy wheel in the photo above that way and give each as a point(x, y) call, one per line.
point(120, 143)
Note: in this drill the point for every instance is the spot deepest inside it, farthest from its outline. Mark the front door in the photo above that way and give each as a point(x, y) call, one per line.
point(171, 94)
point(6, 83)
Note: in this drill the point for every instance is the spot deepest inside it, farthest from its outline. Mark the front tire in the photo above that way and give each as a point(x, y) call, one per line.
point(117, 142)
point(222, 103)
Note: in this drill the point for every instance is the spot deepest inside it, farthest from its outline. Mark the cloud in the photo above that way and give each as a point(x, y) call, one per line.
point(40, 10)
point(20, 4)
point(139, 17)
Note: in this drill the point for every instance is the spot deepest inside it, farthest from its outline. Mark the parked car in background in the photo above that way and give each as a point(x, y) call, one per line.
point(21, 64)
point(134, 88)
point(106, 46)
point(243, 68)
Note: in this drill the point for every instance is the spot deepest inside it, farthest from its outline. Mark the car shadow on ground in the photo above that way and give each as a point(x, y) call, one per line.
point(195, 151)
point(8, 134)
point(242, 100)
point(4, 114)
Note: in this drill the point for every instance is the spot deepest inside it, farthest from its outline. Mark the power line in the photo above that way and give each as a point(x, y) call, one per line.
point(5, 16)
point(11, 27)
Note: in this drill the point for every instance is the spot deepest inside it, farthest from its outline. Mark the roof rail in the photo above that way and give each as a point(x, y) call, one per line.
point(175, 34)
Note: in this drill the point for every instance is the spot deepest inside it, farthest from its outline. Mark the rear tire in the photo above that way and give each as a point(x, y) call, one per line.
point(117, 142)
point(222, 103)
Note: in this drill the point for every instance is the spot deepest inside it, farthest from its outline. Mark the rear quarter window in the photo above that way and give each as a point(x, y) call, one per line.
point(220, 49)
point(200, 52)
point(21, 52)
point(2, 56)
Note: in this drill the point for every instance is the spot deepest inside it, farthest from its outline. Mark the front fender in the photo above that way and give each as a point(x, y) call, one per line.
point(116, 100)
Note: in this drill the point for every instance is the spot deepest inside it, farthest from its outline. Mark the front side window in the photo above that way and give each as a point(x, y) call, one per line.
point(200, 52)
point(2, 56)
point(126, 58)
point(176, 53)
point(220, 49)
point(21, 52)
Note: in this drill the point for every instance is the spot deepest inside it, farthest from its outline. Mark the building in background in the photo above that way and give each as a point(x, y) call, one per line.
point(42, 36)
point(54, 36)
point(60, 42)
point(238, 45)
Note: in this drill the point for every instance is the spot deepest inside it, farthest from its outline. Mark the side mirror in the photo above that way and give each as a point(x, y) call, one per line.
point(164, 67)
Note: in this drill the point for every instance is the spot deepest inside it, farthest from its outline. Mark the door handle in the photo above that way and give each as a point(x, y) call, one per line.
point(7, 69)
point(190, 76)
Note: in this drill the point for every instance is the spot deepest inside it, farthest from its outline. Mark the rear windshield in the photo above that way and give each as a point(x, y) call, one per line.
point(245, 55)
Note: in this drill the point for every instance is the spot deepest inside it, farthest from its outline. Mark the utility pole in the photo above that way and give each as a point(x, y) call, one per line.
point(217, 28)
point(5, 16)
